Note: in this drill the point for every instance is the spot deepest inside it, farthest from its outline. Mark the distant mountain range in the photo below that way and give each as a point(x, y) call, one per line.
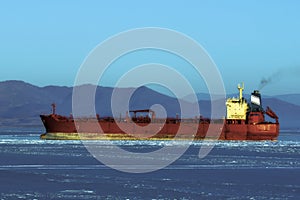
point(21, 103)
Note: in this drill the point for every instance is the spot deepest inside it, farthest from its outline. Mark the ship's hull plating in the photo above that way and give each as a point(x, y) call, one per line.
point(66, 129)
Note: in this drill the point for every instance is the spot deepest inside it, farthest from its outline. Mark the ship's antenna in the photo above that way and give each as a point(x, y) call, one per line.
point(241, 90)
point(53, 108)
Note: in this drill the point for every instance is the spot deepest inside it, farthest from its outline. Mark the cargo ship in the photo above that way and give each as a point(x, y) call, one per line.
point(243, 121)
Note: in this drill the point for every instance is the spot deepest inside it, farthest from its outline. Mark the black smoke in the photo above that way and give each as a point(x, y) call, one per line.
point(282, 73)
point(273, 78)
point(264, 82)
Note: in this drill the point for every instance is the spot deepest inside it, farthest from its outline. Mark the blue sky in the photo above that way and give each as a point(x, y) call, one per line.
point(45, 42)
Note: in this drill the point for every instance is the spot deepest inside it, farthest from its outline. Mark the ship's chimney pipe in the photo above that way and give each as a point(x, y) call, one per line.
point(256, 105)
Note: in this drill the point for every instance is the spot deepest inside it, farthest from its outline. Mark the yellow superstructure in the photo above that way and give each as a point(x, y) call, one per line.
point(237, 107)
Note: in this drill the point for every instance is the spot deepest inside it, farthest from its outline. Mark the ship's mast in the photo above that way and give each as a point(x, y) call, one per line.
point(241, 90)
point(53, 108)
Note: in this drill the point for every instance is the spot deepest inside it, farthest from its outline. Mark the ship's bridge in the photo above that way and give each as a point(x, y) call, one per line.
point(237, 107)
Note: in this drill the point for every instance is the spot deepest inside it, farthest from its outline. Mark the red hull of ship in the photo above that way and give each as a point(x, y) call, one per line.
point(60, 124)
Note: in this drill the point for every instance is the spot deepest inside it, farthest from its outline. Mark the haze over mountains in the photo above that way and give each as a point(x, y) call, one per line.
point(21, 103)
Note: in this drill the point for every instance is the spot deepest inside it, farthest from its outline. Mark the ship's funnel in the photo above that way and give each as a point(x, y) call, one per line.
point(256, 105)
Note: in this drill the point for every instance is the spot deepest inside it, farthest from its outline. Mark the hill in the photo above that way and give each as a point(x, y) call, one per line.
point(21, 103)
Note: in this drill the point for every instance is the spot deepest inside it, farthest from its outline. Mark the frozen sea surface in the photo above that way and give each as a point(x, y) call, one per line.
point(31, 168)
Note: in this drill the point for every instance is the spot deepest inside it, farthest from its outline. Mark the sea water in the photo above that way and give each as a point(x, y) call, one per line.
point(31, 168)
